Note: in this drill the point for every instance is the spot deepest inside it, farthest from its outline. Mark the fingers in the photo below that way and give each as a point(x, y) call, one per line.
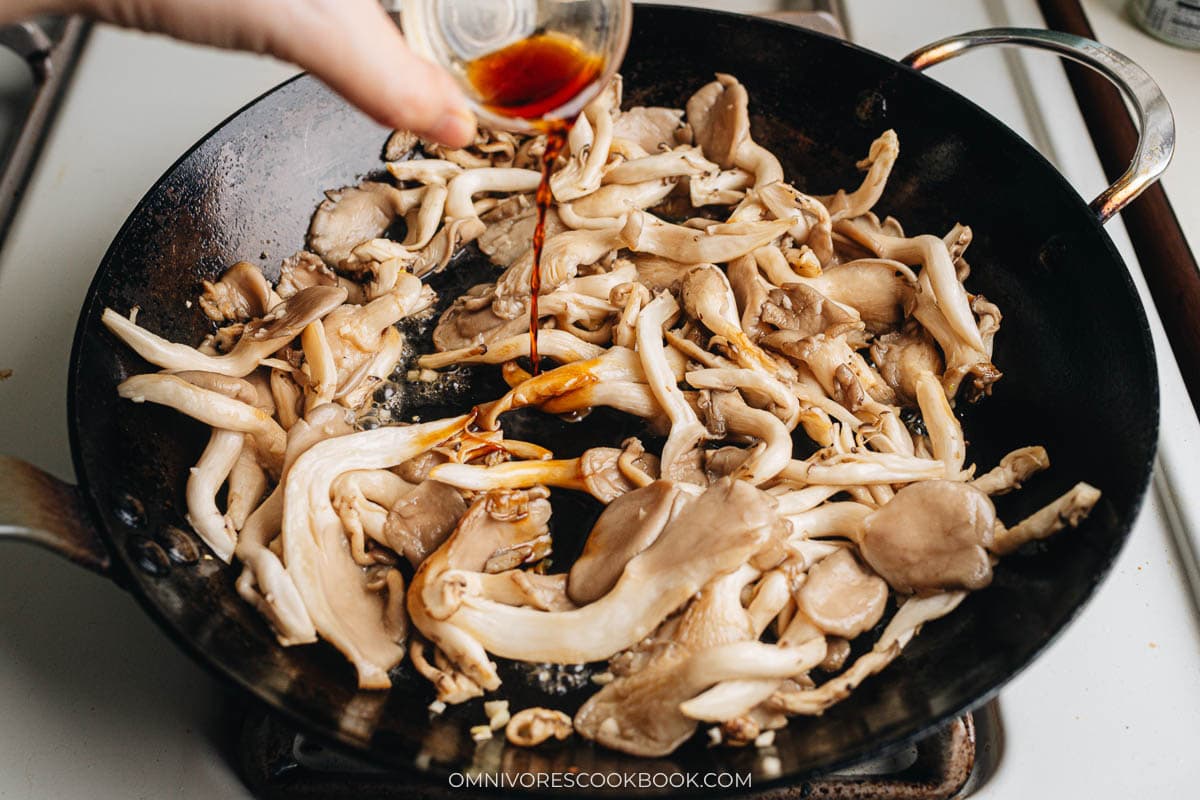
point(360, 54)
point(351, 45)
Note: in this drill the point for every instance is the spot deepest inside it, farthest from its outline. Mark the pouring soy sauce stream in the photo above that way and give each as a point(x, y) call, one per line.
point(528, 66)
point(527, 79)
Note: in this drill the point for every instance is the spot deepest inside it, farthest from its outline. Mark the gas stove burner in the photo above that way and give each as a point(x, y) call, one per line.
point(50, 48)
point(953, 762)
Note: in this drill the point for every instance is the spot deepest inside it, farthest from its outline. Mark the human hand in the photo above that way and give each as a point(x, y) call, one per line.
point(351, 45)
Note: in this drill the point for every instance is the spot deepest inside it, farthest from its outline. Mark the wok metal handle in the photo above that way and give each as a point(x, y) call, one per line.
point(37, 508)
point(1157, 141)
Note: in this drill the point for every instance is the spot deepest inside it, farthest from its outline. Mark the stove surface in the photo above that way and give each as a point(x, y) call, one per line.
point(99, 703)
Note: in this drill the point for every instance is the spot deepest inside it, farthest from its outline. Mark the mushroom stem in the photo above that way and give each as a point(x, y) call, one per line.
point(332, 585)
point(712, 535)
point(945, 432)
point(1013, 470)
point(686, 429)
point(260, 339)
point(210, 408)
point(1066, 511)
point(863, 469)
point(322, 369)
point(563, 473)
point(552, 343)
point(247, 485)
point(204, 481)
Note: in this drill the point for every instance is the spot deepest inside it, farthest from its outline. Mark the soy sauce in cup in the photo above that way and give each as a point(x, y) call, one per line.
point(528, 66)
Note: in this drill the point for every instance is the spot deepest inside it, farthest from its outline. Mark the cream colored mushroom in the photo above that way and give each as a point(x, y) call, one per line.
point(242, 293)
point(343, 611)
point(259, 341)
point(687, 432)
point(723, 528)
point(355, 214)
point(1067, 511)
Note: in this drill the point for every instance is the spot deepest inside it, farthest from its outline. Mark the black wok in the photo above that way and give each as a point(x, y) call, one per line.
point(1079, 378)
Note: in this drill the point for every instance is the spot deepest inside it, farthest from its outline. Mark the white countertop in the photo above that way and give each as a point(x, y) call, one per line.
point(98, 703)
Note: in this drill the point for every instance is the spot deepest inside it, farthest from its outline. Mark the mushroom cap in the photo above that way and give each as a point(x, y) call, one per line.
point(628, 526)
point(720, 119)
point(422, 519)
point(602, 475)
point(932, 535)
point(902, 357)
point(842, 597)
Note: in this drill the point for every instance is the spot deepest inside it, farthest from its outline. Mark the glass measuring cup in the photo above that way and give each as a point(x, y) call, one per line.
point(522, 63)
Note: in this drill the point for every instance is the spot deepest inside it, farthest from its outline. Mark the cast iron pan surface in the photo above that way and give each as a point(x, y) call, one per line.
point(1074, 346)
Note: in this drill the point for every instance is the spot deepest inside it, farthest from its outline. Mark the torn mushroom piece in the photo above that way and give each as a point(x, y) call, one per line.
point(501, 527)
point(530, 727)
point(727, 525)
point(241, 294)
point(841, 597)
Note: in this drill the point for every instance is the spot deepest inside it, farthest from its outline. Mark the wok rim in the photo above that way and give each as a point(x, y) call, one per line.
point(334, 738)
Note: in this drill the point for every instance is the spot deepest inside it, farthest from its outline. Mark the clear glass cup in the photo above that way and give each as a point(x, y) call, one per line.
point(523, 63)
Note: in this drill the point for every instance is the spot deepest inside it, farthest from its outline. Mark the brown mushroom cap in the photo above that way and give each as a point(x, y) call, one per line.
point(902, 357)
point(628, 526)
point(240, 294)
point(720, 119)
point(842, 597)
point(422, 519)
point(932, 535)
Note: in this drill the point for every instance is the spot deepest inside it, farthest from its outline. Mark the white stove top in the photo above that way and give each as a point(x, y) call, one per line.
point(98, 703)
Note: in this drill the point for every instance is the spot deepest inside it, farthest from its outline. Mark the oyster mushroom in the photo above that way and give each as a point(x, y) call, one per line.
point(607, 207)
point(639, 714)
point(841, 597)
point(355, 214)
point(902, 357)
point(497, 522)
point(630, 524)
point(530, 727)
point(204, 481)
point(596, 472)
point(1067, 511)
point(931, 252)
point(674, 163)
point(721, 529)
point(708, 297)
point(333, 587)
point(241, 294)
point(1013, 470)
point(649, 127)
point(552, 343)
point(645, 233)
point(211, 408)
point(260, 339)
point(686, 429)
point(878, 165)
point(914, 613)
point(589, 143)
point(420, 520)
point(933, 535)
